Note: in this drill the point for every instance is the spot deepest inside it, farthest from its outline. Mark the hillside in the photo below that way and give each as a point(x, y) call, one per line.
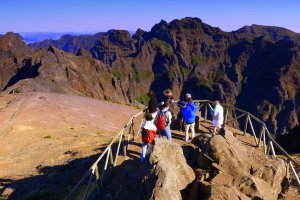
point(49, 140)
point(70, 43)
point(250, 68)
point(13, 52)
point(271, 33)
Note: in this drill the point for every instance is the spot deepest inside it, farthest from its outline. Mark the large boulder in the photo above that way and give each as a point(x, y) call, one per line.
point(169, 173)
point(244, 169)
point(224, 192)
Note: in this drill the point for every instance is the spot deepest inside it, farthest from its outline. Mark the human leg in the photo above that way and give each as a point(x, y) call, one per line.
point(214, 130)
point(168, 133)
point(193, 129)
point(181, 124)
point(144, 150)
point(160, 132)
point(187, 127)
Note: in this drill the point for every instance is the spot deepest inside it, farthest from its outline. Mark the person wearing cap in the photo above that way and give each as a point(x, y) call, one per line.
point(218, 117)
point(189, 113)
point(181, 105)
point(148, 134)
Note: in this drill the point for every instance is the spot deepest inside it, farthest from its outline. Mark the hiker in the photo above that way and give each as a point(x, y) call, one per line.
point(181, 105)
point(164, 120)
point(152, 105)
point(148, 134)
point(189, 113)
point(218, 117)
point(168, 96)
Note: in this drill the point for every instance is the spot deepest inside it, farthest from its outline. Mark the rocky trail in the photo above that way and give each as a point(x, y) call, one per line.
point(50, 140)
point(125, 182)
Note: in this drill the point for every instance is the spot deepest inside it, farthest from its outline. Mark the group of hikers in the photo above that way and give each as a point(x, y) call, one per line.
point(158, 118)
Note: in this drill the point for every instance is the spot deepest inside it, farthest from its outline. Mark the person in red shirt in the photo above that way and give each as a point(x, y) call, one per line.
point(148, 134)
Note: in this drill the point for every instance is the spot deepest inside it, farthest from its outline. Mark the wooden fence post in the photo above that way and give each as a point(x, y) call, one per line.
point(226, 116)
point(105, 166)
point(265, 144)
point(205, 113)
point(253, 132)
point(246, 124)
point(294, 172)
point(118, 148)
point(272, 149)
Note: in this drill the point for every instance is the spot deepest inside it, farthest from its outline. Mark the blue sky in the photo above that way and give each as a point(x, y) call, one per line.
point(99, 15)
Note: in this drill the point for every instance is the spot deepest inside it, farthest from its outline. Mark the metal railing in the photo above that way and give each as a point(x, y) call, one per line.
point(93, 180)
point(265, 137)
point(94, 177)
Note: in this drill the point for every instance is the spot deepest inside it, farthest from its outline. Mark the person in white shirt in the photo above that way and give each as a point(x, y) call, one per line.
point(218, 117)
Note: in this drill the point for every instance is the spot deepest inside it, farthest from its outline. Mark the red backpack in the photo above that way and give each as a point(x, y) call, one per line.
point(161, 122)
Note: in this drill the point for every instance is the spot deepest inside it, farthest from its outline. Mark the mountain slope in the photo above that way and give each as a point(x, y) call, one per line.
point(70, 43)
point(258, 74)
point(13, 53)
point(272, 33)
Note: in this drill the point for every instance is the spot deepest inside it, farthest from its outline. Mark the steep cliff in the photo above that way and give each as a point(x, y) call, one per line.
point(255, 68)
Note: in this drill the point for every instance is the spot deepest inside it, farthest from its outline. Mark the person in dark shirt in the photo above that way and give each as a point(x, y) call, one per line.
point(168, 96)
point(152, 105)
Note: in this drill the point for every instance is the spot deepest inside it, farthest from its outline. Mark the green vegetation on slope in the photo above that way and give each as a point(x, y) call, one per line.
point(143, 99)
point(198, 60)
point(162, 46)
point(142, 75)
point(119, 73)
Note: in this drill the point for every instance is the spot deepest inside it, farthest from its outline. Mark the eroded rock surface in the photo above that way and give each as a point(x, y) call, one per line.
point(240, 171)
point(169, 173)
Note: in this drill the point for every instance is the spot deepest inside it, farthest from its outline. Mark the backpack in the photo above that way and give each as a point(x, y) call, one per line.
point(161, 121)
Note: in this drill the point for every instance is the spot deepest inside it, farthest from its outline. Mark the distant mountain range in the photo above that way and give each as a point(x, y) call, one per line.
point(256, 68)
point(33, 37)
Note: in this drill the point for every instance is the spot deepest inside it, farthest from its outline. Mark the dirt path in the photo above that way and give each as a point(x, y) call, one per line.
point(13, 118)
point(40, 133)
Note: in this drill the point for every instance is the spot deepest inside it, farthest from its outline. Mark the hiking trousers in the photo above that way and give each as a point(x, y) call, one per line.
point(187, 127)
point(166, 131)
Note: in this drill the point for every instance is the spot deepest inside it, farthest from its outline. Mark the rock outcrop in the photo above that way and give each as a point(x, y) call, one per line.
point(53, 70)
point(238, 171)
point(13, 55)
point(169, 173)
point(224, 167)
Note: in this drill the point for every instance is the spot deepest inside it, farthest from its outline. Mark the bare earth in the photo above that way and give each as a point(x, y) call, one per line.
point(39, 130)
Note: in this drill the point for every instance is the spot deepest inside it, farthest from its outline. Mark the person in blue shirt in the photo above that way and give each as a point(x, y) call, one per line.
point(189, 113)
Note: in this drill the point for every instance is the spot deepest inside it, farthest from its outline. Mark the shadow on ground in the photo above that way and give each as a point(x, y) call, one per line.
point(52, 183)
